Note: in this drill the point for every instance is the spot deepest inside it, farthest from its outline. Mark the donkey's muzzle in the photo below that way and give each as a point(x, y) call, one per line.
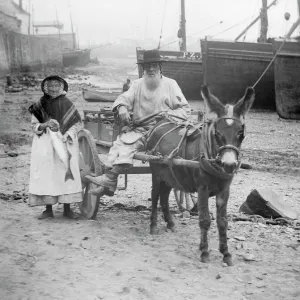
point(229, 167)
point(229, 160)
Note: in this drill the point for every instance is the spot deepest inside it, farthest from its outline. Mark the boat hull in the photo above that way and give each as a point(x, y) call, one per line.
point(188, 72)
point(99, 96)
point(76, 57)
point(229, 67)
point(287, 79)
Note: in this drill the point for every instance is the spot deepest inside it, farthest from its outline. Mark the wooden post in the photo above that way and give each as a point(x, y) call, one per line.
point(183, 29)
point(29, 18)
point(72, 29)
point(263, 22)
point(252, 23)
point(205, 61)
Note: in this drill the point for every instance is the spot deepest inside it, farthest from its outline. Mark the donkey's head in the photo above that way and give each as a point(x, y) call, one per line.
point(227, 129)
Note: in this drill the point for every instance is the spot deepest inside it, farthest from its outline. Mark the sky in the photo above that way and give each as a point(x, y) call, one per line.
point(106, 21)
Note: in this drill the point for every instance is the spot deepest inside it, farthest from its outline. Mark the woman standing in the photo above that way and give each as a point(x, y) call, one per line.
point(55, 122)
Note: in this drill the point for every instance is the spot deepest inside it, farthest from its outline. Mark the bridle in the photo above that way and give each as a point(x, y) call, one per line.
point(208, 154)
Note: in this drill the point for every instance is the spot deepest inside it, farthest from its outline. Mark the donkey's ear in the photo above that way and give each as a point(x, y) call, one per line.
point(243, 105)
point(212, 102)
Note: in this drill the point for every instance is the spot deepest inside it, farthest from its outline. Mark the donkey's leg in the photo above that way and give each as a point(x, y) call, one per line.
point(164, 203)
point(154, 198)
point(204, 222)
point(222, 223)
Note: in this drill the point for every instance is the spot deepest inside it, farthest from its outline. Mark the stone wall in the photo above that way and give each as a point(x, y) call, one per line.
point(25, 53)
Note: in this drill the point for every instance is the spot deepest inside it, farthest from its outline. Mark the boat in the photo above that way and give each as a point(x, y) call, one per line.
point(286, 74)
point(183, 66)
point(231, 66)
point(76, 57)
point(100, 96)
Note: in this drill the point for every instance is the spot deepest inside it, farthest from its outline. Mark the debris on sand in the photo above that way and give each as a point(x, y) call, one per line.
point(268, 204)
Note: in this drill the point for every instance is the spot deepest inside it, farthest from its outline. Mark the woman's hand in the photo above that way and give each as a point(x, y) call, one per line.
point(43, 126)
point(53, 125)
point(124, 114)
point(66, 138)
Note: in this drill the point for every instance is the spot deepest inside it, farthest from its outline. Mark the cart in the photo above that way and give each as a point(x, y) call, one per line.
point(101, 128)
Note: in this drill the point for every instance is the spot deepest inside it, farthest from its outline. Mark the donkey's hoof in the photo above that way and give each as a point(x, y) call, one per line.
point(153, 230)
point(227, 259)
point(172, 228)
point(205, 257)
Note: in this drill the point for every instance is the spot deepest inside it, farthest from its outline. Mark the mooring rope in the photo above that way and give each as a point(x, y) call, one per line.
point(269, 65)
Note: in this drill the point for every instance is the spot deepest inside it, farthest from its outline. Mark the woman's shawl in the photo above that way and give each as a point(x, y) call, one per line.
point(60, 109)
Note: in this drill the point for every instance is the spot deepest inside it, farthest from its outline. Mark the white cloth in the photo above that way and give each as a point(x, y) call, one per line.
point(47, 172)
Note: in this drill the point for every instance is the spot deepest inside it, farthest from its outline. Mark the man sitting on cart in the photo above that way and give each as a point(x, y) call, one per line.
point(138, 109)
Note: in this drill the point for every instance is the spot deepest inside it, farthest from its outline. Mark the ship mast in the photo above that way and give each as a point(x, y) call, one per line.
point(72, 29)
point(263, 22)
point(182, 30)
point(253, 22)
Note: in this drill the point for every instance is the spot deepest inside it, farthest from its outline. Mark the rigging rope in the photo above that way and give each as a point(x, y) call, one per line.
point(162, 24)
point(175, 41)
point(236, 24)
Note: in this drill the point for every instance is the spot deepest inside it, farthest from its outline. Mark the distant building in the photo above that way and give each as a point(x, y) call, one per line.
point(23, 16)
point(14, 17)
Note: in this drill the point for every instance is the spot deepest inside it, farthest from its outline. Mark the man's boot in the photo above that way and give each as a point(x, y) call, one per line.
point(108, 181)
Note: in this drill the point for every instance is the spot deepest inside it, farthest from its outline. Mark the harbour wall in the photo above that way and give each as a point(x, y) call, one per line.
point(27, 53)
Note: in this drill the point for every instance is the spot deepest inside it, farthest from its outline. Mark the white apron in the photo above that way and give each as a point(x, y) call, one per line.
point(47, 183)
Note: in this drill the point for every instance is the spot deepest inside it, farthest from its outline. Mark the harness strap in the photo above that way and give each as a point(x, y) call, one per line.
point(181, 145)
point(207, 162)
point(207, 141)
point(229, 147)
point(213, 169)
point(161, 138)
point(174, 153)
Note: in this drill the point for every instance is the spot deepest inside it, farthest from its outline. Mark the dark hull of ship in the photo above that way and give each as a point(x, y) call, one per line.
point(76, 57)
point(287, 79)
point(229, 67)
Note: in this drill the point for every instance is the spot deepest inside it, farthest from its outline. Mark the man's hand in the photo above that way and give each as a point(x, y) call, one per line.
point(124, 114)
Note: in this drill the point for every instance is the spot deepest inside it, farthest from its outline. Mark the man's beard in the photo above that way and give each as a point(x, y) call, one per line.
point(152, 82)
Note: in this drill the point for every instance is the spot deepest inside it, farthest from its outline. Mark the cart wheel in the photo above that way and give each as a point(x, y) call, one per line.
point(186, 201)
point(89, 164)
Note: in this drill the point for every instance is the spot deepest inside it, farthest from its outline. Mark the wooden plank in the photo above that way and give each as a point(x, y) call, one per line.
point(165, 160)
point(138, 170)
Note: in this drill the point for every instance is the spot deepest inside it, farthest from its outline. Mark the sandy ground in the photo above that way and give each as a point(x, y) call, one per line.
point(115, 257)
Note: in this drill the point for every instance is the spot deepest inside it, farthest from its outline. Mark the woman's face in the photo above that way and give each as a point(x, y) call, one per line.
point(54, 88)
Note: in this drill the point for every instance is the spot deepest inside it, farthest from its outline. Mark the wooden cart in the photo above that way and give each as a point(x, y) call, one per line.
point(95, 139)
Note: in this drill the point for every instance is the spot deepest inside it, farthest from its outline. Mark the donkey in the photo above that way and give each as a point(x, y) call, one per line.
point(216, 146)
